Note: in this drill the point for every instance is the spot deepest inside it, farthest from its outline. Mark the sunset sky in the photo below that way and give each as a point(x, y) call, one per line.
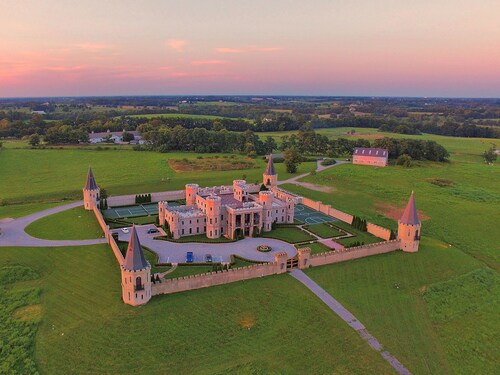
point(315, 47)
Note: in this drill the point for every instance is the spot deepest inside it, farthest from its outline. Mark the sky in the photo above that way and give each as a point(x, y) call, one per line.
point(261, 47)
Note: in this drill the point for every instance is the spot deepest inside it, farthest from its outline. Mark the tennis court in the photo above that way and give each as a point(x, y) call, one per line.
point(134, 211)
point(310, 216)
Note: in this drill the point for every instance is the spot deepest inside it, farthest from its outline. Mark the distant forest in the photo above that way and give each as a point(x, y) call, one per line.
point(74, 117)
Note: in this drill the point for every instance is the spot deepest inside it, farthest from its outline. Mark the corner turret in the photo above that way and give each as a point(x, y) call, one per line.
point(91, 192)
point(136, 273)
point(409, 227)
point(270, 177)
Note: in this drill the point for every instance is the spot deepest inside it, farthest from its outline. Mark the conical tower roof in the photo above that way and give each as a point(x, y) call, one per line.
point(270, 166)
point(134, 259)
point(410, 215)
point(91, 184)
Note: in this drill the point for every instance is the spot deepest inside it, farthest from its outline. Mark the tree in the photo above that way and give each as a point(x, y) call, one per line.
point(490, 155)
point(405, 160)
point(292, 159)
point(34, 140)
point(127, 137)
point(270, 145)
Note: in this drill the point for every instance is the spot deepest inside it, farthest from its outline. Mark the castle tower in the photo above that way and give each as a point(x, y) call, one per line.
point(213, 211)
point(162, 206)
point(91, 192)
point(270, 177)
point(191, 193)
point(409, 227)
point(136, 273)
point(266, 199)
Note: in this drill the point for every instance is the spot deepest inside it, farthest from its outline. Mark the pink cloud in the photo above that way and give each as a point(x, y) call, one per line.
point(93, 47)
point(176, 44)
point(209, 62)
point(248, 49)
point(229, 50)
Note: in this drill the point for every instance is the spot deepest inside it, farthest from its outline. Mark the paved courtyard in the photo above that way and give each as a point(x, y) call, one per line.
point(173, 252)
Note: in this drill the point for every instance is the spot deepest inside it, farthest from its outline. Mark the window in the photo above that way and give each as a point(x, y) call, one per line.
point(183, 223)
point(183, 231)
point(221, 217)
point(210, 233)
point(282, 265)
point(210, 221)
point(198, 230)
point(190, 230)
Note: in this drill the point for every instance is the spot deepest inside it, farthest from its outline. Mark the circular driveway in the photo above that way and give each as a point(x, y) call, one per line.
point(174, 252)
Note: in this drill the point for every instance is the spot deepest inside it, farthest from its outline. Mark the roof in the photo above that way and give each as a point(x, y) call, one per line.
point(410, 215)
point(115, 134)
point(134, 259)
point(270, 166)
point(90, 184)
point(371, 152)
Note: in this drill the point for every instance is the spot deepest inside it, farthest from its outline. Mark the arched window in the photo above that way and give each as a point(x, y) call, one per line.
point(138, 283)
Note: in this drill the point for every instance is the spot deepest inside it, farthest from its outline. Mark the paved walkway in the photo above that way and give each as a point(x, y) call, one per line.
point(12, 233)
point(350, 319)
point(319, 168)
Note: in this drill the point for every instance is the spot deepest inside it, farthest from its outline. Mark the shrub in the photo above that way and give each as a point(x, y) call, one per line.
point(327, 162)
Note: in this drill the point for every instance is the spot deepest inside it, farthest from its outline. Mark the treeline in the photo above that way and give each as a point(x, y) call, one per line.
point(165, 139)
point(307, 141)
point(449, 128)
point(415, 148)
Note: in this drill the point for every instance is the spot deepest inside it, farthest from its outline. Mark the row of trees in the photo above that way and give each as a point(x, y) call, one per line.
point(165, 139)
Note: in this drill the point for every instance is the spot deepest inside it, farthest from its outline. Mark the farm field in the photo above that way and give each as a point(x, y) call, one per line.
point(84, 323)
point(182, 115)
point(54, 175)
point(453, 333)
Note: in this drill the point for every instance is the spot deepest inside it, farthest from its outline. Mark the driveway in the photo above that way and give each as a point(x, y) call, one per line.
point(174, 252)
point(12, 233)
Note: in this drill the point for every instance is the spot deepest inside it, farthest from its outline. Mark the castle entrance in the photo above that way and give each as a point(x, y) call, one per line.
point(292, 263)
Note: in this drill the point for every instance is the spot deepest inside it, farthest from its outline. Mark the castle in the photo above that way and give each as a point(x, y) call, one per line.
point(230, 211)
point(234, 211)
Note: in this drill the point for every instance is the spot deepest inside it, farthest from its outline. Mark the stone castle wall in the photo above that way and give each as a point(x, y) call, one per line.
point(328, 210)
point(211, 279)
point(354, 253)
point(378, 231)
point(108, 236)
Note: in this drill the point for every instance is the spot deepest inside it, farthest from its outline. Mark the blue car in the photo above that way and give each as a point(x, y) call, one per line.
point(189, 257)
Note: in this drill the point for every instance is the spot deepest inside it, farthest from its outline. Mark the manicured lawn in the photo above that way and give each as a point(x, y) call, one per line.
point(73, 224)
point(324, 230)
point(359, 236)
point(316, 248)
point(289, 234)
point(233, 328)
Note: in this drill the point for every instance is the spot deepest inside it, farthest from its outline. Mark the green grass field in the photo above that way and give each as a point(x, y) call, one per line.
point(435, 310)
point(73, 224)
point(316, 248)
point(323, 230)
point(180, 115)
point(289, 234)
point(459, 240)
point(55, 175)
point(264, 325)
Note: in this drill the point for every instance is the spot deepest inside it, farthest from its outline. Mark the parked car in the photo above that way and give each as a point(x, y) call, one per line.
point(125, 230)
point(208, 258)
point(189, 257)
point(152, 230)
